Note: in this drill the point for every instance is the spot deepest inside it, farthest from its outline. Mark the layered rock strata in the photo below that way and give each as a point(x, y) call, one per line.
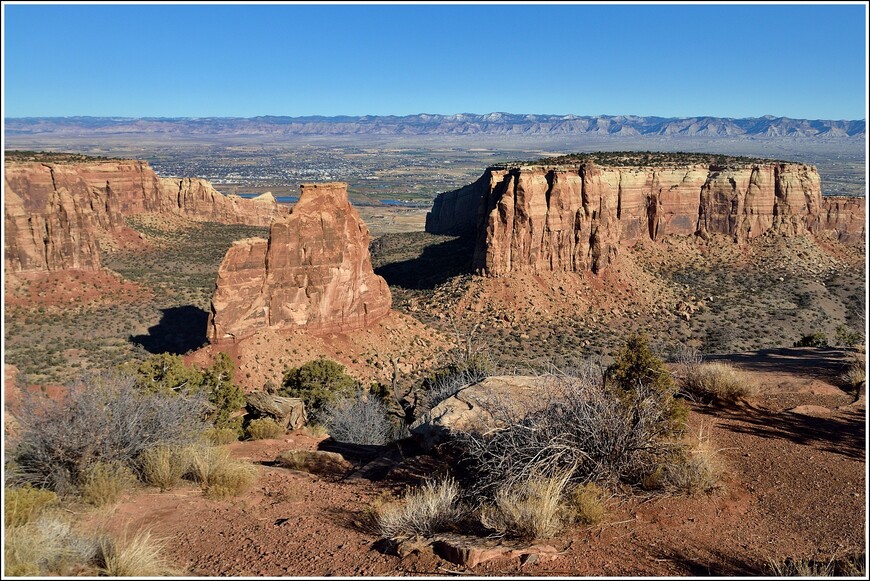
point(314, 272)
point(539, 219)
point(55, 211)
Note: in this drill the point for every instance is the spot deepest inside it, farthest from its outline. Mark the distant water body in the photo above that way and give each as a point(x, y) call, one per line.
point(294, 199)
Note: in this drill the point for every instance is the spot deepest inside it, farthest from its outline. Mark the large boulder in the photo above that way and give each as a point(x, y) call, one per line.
point(288, 412)
point(480, 407)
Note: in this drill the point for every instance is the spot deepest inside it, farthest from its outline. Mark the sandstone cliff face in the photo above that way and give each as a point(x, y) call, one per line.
point(539, 219)
point(314, 272)
point(54, 211)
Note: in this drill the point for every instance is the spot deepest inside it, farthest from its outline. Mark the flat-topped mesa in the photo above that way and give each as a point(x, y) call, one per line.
point(313, 273)
point(542, 218)
point(56, 209)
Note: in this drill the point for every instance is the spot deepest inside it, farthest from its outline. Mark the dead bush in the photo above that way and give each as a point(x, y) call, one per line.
point(264, 429)
point(718, 381)
point(47, 545)
point(103, 418)
point(429, 509)
point(690, 469)
point(529, 509)
point(855, 375)
point(850, 565)
point(360, 419)
point(602, 432)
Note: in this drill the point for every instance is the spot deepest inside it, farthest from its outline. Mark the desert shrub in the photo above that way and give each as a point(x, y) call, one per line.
point(317, 382)
point(218, 474)
point(221, 436)
point(429, 509)
point(163, 466)
point(102, 483)
point(719, 381)
point(528, 509)
point(24, 504)
point(598, 431)
point(635, 366)
point(264, 428)
point(139, 556)
point(103, 418)
point(47, 545)
point(813, 340)
point(587, 503)
point(168, 374)
point(465, 370)
point(847, 337)
point(359, 419)
point(225, 397)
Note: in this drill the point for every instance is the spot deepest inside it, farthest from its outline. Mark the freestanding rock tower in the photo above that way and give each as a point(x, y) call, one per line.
point(314, 272)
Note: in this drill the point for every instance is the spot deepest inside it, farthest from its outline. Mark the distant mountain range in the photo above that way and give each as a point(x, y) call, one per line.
point(460, 124)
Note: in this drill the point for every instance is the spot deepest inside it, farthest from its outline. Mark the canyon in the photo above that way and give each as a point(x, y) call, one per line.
point(575, 217)
point(55, 211)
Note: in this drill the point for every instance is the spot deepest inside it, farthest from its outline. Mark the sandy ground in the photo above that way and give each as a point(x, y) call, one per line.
point(794, 485)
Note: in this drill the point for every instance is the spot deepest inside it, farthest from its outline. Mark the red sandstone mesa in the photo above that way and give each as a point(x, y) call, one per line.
point(54, 212)
point(542, 219)
point(314, 273)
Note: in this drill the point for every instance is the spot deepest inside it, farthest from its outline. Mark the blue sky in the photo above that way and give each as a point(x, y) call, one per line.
point(801, 61)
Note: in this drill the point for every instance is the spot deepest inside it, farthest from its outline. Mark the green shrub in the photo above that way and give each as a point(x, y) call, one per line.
point(167, 373)
point(103, 483)
point(264, 429)
point(814, 340)
point(635, 365)
point(224, 395)
point(846, 337)
point(318, 382)
point(22, 505)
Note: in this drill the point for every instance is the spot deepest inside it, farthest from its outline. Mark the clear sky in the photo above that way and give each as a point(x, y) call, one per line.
point(801, 61)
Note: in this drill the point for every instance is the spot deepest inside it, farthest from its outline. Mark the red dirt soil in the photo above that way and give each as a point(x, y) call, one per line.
point(794, 485)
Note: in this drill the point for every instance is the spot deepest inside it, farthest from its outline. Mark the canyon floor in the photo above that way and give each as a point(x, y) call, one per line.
point(794, 486)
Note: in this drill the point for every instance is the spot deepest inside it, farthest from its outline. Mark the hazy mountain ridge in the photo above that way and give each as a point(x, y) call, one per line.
point(458, 124)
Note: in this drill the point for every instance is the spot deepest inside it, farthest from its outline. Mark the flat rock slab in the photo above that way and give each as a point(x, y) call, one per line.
point(811, 410)
point(468, 551)
point(315, 462)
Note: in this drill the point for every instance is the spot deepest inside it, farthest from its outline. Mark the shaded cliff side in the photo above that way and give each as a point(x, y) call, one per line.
point(54, 211)
point(535, 218)
point(313, 273)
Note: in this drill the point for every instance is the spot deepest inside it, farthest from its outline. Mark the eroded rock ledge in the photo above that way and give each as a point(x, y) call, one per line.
point(535, 218)
point(55, 211)
point(314, 272)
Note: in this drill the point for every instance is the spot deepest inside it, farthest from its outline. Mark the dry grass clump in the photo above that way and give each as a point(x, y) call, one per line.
point(855, 375)
point(164, 466)
point(424, 511)
point(264, 429)
point(718, 381)
point(139, 556)
point(219, 475)
point(45, 546)
point(22, 505)
point(221, 436)
point(528, 510)
point(690, 470)
point(103, 483)
point(588, 503)
point(853, 565)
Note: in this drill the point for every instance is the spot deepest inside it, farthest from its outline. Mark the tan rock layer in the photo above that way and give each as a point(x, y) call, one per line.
point(538, 219)
point(54, 212)
point(314, 272)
